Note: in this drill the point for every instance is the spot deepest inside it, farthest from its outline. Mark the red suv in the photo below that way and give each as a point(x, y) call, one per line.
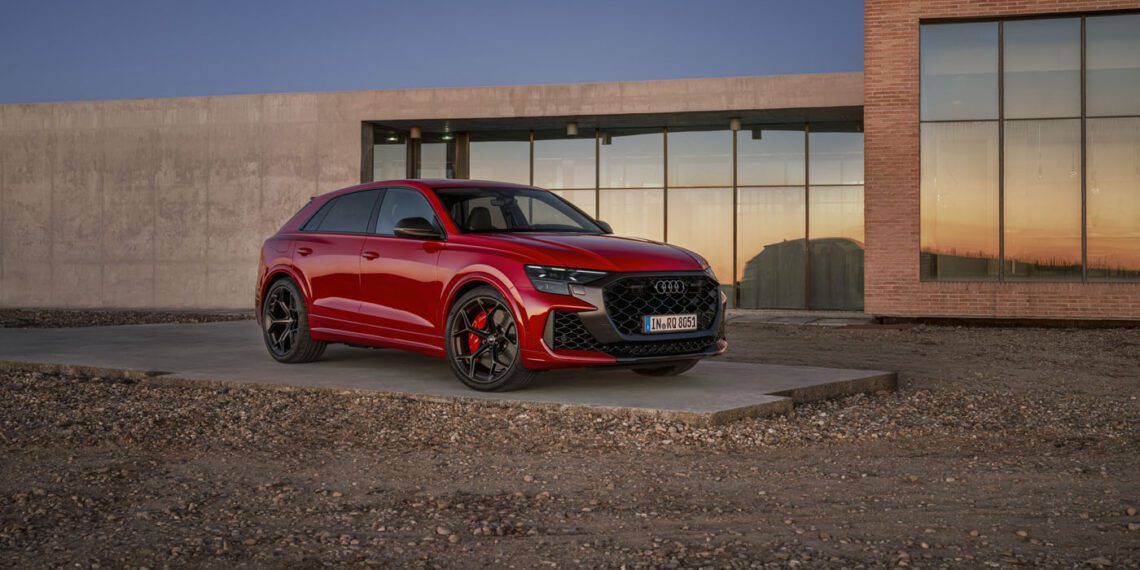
point(500, 279)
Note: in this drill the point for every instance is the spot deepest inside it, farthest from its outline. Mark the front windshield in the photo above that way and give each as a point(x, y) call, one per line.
point(477, 210)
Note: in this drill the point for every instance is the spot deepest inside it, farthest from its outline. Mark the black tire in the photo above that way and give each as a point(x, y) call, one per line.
point(674, 369)
point(485, 357)
point(285, 325)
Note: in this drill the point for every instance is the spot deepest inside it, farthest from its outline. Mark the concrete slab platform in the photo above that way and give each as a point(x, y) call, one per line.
point(714, 392)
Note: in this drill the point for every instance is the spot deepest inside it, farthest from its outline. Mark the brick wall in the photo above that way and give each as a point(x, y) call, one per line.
point(891, 95)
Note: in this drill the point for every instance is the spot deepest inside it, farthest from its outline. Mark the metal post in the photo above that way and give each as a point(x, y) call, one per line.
point(807, 216)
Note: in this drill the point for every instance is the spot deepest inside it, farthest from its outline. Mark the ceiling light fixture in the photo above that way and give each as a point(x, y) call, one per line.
point(572, 129)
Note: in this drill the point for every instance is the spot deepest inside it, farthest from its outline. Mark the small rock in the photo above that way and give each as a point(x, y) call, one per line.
point(1022, 533)
point(1130, 511)
point(442, 531)
point(528, 478)
point(1099, 561)
point(249, 541)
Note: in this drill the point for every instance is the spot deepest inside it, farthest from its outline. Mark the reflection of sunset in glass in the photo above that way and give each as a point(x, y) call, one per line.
point(635, 212)
point(1043, 197)
point(960, 196)
point(1113, 156)
point(782, 212)
point(700, 219)
point(837, 212)
point(1040, 185)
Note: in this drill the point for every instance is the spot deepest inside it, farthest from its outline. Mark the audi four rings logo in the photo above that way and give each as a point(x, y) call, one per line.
point(669, 287)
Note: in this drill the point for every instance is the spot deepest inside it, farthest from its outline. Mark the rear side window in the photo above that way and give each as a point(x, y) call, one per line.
point(400, 203)
point(347, 214)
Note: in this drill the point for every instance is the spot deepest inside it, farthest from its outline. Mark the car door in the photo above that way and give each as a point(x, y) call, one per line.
point(400, 285)
point(327, 252)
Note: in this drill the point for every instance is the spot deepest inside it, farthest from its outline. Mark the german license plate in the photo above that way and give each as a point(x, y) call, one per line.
point(669, 323)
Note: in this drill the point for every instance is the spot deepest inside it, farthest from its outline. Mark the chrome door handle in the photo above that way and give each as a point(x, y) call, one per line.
point(370, 255)
point(304, 250)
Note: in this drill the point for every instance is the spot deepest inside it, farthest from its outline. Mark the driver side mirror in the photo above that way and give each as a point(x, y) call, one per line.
point(605, 227)
point(416, 228)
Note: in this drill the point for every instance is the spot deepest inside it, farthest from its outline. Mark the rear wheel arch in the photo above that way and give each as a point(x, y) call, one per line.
point(280, 273)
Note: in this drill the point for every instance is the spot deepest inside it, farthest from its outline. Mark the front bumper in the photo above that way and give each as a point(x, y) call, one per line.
point(599, 328)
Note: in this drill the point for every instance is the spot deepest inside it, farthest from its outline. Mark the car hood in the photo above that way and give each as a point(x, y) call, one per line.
point(604, 252)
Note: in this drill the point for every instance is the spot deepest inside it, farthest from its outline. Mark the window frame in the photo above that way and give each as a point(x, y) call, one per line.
point(375, 219)
point(319, 216)
point(1001, 120)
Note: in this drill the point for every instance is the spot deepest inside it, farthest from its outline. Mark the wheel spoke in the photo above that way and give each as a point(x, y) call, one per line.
point(494, 361)
point(282, 321)
point(499, 347)
point(479, 333)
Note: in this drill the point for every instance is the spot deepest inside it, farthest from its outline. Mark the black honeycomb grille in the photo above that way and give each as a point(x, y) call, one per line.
point(629, 300)
point(570, 333)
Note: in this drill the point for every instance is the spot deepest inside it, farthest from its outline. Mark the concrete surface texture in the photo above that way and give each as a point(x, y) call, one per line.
point(162, 203)
point(714, 392)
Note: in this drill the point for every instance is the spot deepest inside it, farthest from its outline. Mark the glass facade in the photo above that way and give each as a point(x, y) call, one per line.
point(437, 156)
point(960, 201)
point(1112, 65)
point(1028, 175)
point(567, 165)
point(389, 156)
point(503, 157)
point(771, 260)
point(776, 211)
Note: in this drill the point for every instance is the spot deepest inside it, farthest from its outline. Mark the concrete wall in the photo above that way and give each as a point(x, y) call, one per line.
point(164, 202)
point(891, 147)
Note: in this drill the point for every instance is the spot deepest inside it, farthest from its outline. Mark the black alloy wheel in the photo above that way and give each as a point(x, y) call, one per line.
point(483, 343)
point(285, 325)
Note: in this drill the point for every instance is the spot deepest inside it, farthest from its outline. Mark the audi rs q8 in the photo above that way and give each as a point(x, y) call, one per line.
point(501, 280)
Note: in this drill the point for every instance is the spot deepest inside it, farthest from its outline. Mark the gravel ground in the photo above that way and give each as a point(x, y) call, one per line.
point(1003, 447)
point(64, 318)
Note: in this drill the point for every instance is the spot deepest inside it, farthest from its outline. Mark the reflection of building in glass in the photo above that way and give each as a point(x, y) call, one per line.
point(775, 277)
point(676, 184)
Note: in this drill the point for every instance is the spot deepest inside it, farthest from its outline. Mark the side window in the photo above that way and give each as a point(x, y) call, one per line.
point(349, 213)
point(400, 203)
point(311, 225)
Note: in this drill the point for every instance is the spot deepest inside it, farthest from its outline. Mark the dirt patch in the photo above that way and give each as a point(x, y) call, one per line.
point(1002, 447)
point(67, 318)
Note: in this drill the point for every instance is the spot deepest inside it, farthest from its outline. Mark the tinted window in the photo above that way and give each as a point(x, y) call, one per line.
point(1113, 53)
point(349, 213)
point(401, 203)
point(959, 71)
point(511, 210)
point(1042, 68)
point(311, 225)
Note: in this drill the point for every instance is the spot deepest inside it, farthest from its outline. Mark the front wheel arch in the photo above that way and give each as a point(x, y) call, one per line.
point(472, 281)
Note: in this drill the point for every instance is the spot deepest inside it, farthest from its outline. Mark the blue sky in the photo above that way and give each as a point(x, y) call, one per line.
point(61, 50)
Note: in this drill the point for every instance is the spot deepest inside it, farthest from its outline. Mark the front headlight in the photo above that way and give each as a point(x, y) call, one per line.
point(557, 280)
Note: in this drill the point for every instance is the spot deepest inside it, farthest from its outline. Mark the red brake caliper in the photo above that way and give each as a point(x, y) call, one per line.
point(473, 340)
